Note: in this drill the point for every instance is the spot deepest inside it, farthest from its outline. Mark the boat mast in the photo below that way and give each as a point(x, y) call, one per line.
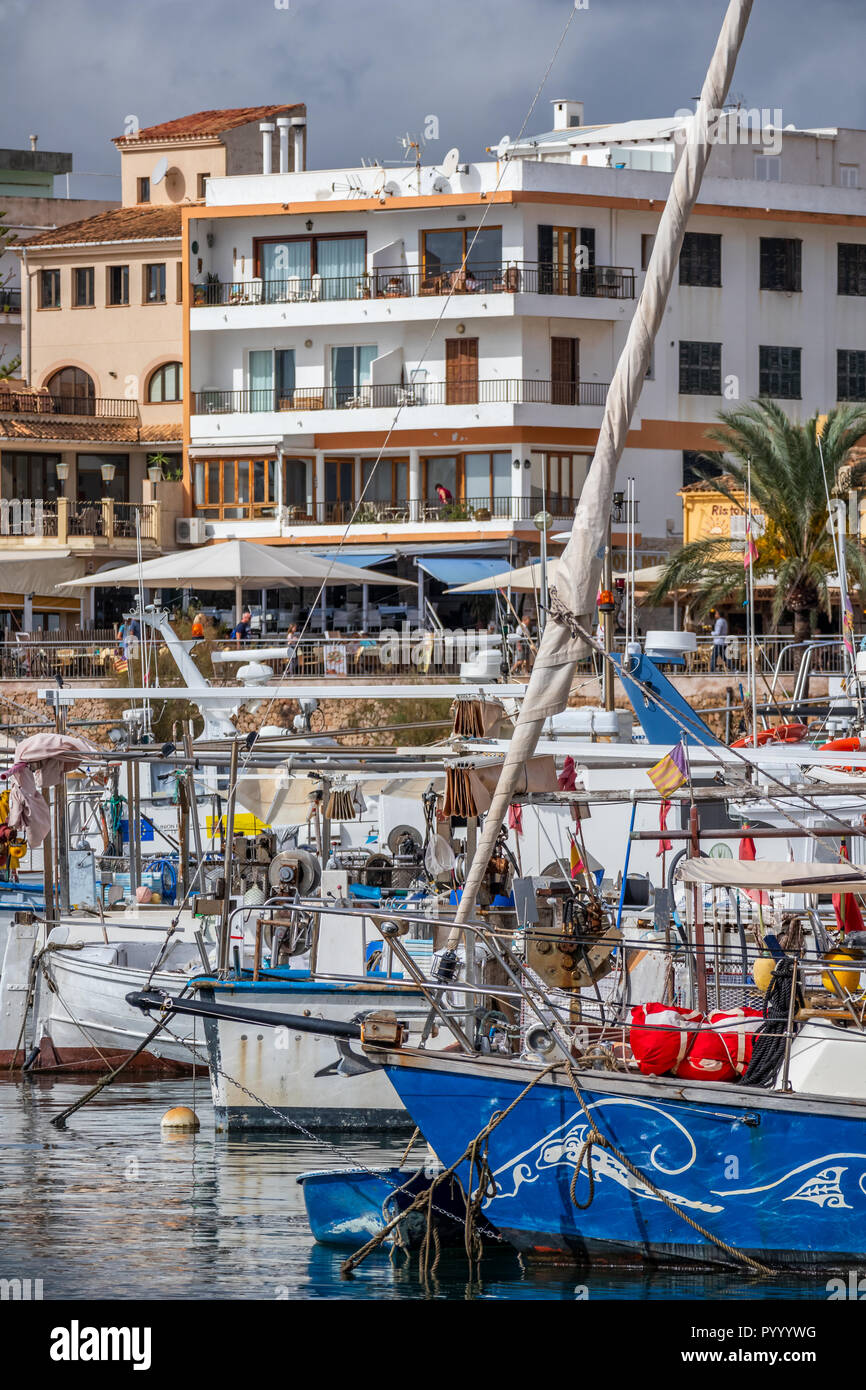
point(573, 600)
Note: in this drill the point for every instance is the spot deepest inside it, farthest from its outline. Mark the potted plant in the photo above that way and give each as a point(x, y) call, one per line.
point(155, 467)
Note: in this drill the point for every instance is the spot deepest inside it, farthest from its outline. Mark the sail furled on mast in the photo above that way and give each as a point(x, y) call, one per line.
point(573, 598)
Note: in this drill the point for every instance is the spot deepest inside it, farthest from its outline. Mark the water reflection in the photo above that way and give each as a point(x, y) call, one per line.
point(110, 1208)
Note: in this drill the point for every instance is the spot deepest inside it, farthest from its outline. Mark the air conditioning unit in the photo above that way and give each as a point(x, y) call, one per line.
point(190, 530)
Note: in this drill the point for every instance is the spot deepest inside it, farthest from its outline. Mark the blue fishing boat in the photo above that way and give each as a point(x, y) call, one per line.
point(777, 1178)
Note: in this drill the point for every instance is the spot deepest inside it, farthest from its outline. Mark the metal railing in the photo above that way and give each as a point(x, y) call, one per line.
point(424, 510)
point(413, 655)
point(44, 403)
point(64, 517)
point(10, 301)
point(39, 656)
point(774, 652)
point(493, 391)
point(399, 282)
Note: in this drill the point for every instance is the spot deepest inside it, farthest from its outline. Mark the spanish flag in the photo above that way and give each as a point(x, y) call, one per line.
point(576, 861)
point(121, 665)
point(669, 772)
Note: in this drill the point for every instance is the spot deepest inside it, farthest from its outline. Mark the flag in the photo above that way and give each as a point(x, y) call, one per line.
point(121, 665)
point(576, 861)
point(845, 906)
point(748, 854)
point(515, 817)
point(669, 772)
point(848, 625)
point(664, 845)
point(750, 554)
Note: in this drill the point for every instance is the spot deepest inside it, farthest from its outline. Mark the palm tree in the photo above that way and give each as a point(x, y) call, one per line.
point(789, 489)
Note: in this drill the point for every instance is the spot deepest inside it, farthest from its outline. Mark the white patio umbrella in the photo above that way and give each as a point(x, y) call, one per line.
point(235, 565)
point(526, 580)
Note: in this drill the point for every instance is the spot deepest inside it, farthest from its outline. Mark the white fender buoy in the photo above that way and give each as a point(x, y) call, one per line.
point(180, 1117)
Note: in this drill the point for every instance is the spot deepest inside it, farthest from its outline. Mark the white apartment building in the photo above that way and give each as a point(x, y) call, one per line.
point(332, 317)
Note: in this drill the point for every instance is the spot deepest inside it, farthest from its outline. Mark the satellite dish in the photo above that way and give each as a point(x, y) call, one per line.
point(393, 189)
point(441, 185)
point(159, 171)
point(503, 145)
point(323, 193)
point(450, 162)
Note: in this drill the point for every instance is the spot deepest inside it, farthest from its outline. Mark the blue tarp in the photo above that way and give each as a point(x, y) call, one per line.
point(468, 570)
point(365, 559)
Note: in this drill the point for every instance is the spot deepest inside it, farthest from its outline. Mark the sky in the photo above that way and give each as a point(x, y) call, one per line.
point(371, 70)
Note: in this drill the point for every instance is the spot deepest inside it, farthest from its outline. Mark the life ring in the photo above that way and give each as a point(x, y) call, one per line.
point(779, 733)
point(842, 745)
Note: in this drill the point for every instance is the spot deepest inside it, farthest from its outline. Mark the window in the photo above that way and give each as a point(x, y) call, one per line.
point(350, 374)
point(443, 253)
point(166, 383)
point(557, 253)
point(118, 284)
point(271, 378)
point(701, 259)
point(700, 369)
point(339, 489)
point(232, 489)
point(75, 389)
point(474, 481)
point(564, 476)
point(768, 168)
point(49, 289)
point(849, 175)
point(386, 484)
point(779, 372)
point(696, 466)
point(202, 186)
point(91, 487)
point(178, 293)
point(295, 482)
point(154, 284)
point(851, 268)
point(781, 261)
point(647, 242)
point(143, 190)
point(288, 266)
point(82, 286)
point(851, 374)
point(25, 476)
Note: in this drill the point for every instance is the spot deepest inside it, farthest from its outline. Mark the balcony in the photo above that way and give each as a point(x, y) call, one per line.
point(494, 391)
point(13, 402)
point(81, 525)
point(425, 512)
point(10, 301)
point(396, 282)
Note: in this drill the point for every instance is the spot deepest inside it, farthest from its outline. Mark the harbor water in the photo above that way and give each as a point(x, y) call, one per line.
point(109, 1208)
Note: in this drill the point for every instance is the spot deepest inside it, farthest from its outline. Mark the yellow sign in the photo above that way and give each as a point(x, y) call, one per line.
point(245, 823)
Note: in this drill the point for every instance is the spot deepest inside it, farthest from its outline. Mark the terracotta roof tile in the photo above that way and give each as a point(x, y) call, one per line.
point(207, 123)
point(123, 224)
point(710, 485)
point(90, 431)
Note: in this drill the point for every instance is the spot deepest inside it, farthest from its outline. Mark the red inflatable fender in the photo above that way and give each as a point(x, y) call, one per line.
point(659, 1036)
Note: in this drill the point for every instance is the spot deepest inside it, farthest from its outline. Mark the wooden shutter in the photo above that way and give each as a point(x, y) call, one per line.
point(564, 371)
point(545, 259)
point(461, 371)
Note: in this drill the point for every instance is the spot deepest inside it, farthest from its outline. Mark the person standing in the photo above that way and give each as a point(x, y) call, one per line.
point(720, 641)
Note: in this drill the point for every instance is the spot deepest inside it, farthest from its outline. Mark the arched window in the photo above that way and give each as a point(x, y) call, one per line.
point(74, 390)
point(166, 383)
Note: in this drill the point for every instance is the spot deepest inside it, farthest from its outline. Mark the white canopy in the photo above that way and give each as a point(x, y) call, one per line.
point(234, 565)
point(774, 874)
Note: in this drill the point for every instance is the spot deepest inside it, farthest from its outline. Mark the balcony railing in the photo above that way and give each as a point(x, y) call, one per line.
point(425, 511)
point(74, 656)
point(44, 403)
point(10, 301)
point(64, 518)
point(396, 282)
point(495, 391)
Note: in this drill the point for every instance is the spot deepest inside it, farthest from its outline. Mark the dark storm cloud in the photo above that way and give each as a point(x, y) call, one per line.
point(372, 69)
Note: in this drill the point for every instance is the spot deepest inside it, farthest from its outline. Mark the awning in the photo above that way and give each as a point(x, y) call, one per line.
point(467, 570)
point(774, 874)
point(349, 555)
point(28, 571)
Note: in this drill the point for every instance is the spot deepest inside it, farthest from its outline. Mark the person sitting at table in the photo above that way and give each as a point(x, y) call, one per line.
point(471, 284)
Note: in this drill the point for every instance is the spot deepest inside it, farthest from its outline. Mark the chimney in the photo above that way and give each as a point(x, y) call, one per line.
point(298, 161)
point(283, 123)
point(33, 141)
point(567, 115)
point(267, 129)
